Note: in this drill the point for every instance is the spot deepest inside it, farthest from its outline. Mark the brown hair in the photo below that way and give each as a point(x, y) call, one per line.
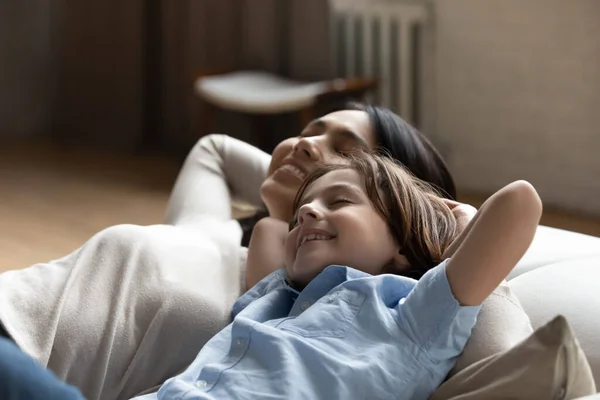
point(422, 225)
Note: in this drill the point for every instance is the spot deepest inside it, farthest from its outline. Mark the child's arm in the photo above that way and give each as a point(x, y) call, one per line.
point(463, 233)
point(493, 242)
point(266, 252)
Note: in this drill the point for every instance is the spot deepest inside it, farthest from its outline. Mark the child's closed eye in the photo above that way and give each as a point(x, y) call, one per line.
point(340, 201)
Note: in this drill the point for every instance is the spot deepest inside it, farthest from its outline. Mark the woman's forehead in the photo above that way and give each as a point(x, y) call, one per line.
point(355, 121)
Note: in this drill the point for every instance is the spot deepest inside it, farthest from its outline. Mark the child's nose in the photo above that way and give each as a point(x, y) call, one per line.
point(308, 211)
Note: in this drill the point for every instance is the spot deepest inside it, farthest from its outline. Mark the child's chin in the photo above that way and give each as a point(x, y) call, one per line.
point(303, 275)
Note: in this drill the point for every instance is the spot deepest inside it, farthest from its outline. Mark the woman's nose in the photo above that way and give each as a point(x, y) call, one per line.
point(308, 212)
point(307, 149)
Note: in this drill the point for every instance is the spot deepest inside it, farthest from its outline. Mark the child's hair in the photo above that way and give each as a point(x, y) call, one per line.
point(422, 225)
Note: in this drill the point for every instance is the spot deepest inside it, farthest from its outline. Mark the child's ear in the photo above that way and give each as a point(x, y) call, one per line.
point(398, 265)
point(401, 261)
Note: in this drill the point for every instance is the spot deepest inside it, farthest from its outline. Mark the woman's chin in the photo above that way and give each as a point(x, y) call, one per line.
point(278, 197)
point(273, 184)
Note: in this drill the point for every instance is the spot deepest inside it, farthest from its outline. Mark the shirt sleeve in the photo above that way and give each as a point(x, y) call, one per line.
point(271, 282)
point(433, 319)
point(218, 168)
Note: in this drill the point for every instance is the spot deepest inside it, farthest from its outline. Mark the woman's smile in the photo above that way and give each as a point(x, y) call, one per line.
point(292, 168)
point(293, 171)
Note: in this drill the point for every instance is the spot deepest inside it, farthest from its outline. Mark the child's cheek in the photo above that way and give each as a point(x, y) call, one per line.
point(290, 247)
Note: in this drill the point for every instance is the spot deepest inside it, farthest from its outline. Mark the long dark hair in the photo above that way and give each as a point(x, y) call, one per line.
point(405, 144)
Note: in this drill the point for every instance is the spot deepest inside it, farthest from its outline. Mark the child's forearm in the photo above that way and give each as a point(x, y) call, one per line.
point(494, 242)
point(266, 250)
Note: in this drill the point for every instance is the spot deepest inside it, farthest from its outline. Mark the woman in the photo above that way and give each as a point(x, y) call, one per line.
point(322, 141)
point(133, 305)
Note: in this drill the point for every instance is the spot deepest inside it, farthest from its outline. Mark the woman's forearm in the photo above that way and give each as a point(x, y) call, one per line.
point(217, 168)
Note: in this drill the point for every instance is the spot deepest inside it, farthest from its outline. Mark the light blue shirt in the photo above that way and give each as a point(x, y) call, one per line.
point(347, 335)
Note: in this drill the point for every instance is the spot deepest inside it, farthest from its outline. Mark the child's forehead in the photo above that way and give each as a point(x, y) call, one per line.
point(340, 180)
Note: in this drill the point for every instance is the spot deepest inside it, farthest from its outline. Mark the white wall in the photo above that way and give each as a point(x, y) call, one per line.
point(27, 67)
point(518, 96)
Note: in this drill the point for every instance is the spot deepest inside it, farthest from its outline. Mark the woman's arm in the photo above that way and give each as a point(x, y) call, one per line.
point(266, 252)
point(494, 241)
point(218, 168)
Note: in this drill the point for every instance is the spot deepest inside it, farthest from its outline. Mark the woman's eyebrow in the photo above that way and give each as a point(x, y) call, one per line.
point(346, 133)
point(317, 123)
point(353, 136)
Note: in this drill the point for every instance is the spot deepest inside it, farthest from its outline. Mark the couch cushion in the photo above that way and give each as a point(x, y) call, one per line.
point(501, 324)
point(551, 245)
point(569, 288)
point(547, 365)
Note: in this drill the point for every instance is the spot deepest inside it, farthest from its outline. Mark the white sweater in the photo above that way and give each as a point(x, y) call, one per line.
point(135, 304)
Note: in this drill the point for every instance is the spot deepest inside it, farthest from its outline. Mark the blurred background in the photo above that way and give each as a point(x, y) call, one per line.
point(100, 101)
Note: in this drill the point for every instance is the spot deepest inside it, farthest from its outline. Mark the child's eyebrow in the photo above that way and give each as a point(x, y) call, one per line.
point(344, 187)
point(341, 186)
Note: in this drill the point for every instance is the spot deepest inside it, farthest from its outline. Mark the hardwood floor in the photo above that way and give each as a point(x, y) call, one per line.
point(52, 200)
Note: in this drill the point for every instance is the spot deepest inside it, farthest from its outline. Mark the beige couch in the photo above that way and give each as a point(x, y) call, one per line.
point(560, 274)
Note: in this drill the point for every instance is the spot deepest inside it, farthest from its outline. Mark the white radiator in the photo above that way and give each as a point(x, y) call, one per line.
point(382, 39)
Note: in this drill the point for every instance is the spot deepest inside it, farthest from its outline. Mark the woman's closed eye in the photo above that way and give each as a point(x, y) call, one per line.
point(344, 151)
point(345, 142)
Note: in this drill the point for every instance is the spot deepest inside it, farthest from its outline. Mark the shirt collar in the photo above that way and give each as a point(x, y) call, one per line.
point(331, 274)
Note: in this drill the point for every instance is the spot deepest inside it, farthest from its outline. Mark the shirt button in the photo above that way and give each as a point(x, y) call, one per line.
point(240, 342)
point(201, 384)
point(304, 306)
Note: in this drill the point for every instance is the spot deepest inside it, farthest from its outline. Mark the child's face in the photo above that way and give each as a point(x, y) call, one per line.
point(336, 224)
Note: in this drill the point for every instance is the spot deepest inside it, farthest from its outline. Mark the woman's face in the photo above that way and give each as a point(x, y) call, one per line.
point(323, 141)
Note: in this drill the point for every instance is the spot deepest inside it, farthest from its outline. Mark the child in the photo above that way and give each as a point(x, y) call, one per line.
point(340, 321)
point(335, 323)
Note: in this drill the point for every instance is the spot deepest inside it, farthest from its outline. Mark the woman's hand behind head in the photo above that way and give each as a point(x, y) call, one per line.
point(463, 213)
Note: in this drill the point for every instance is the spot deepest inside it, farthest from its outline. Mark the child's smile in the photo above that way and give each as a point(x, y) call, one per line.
point(312, 235)
point(337, 224)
